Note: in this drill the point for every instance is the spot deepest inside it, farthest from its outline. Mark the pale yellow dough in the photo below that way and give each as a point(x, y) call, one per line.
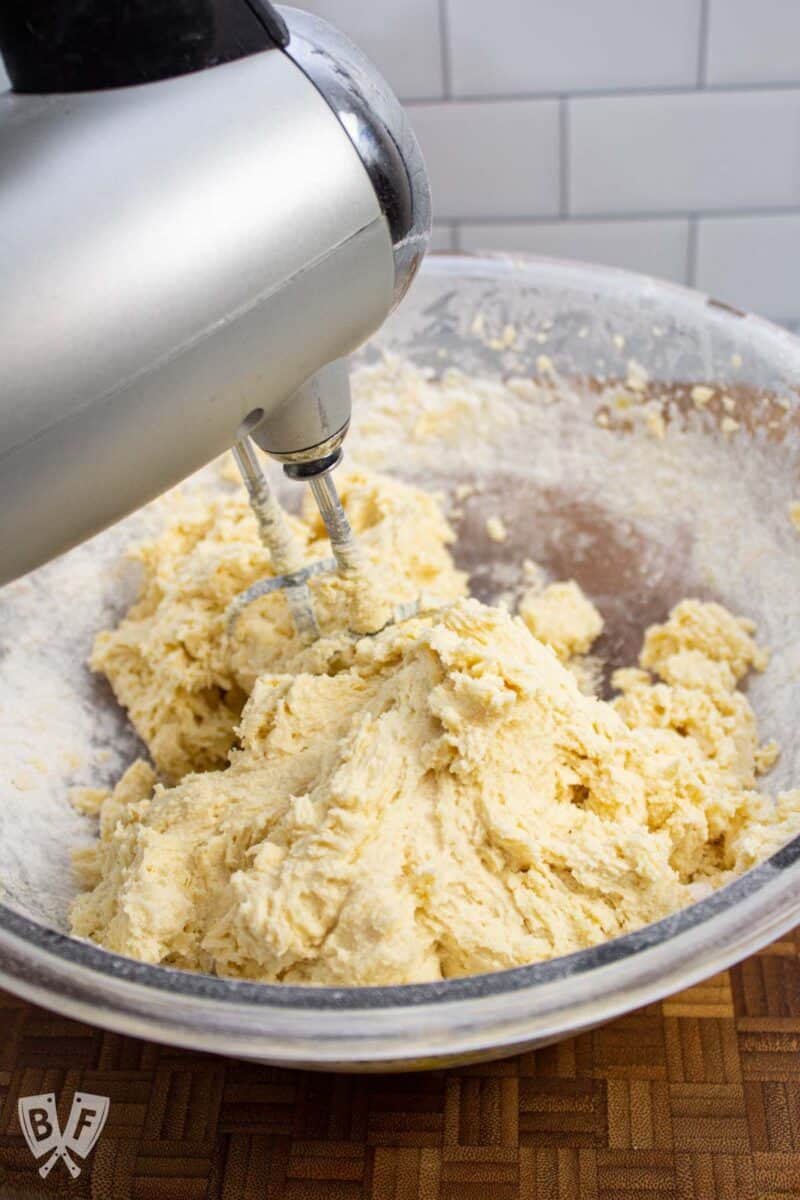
point(562, 617)
point(183, 682)
point(436, 800)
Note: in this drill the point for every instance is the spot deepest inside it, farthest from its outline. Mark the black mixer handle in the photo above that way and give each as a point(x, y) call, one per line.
point(88, 45)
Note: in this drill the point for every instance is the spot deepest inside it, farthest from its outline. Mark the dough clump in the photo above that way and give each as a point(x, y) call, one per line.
point(562, 617)
point(171, 665)
point(437, 800)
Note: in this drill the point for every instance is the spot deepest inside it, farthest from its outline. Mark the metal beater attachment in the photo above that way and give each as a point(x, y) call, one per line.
point(284, 548)
point(348, 556)
point(370, 613)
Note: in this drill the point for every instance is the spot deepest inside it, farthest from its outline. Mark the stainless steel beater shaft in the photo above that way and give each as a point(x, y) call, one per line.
point(278, 538)
point(346, 550)
point(371, 611)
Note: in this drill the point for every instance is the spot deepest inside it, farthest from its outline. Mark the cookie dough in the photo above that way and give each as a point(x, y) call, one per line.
point(562, 617)
point(437, 800)
point(182, 680)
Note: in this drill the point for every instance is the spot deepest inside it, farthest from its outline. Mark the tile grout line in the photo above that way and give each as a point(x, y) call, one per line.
point(615, 218)
point(563, 174)
point(632, 93)
point(702, 44)
point(445, 51)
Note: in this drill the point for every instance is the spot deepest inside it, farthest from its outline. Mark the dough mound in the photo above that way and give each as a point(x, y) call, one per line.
point(170, 663)
point(437, 800)
point(563, 617)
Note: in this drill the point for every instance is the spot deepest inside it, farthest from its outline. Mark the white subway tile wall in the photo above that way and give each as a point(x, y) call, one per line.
point(752, 262)
point(753, 41)
point(513, 46)
point(684, 152)
point(516, 143)
point(658, 135)
point(443, 236)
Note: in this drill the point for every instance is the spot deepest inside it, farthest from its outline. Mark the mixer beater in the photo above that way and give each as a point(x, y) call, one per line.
point(369, 611)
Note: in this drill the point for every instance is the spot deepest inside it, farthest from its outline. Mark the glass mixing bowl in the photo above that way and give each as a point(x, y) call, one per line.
point(639, 519)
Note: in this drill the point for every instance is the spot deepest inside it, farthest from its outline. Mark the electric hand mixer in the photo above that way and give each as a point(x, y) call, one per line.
point(204, 206)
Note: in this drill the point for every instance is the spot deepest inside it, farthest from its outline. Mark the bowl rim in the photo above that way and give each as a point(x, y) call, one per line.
point(177, 981)
point(380, 1028)
point(443, 1017)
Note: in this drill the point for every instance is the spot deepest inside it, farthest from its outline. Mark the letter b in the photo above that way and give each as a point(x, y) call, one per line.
point(40, 1123)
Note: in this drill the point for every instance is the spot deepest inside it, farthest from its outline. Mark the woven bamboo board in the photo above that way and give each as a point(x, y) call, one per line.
point(693, 1098)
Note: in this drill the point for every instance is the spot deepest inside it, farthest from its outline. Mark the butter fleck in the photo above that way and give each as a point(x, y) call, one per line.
point(637, 378)
point(701, 395)
point(496, 530)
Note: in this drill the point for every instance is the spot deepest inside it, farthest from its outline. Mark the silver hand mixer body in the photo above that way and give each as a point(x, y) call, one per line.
point(180, 259)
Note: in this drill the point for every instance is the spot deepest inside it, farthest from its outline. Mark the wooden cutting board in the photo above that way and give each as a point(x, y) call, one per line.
point(696, 1098)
